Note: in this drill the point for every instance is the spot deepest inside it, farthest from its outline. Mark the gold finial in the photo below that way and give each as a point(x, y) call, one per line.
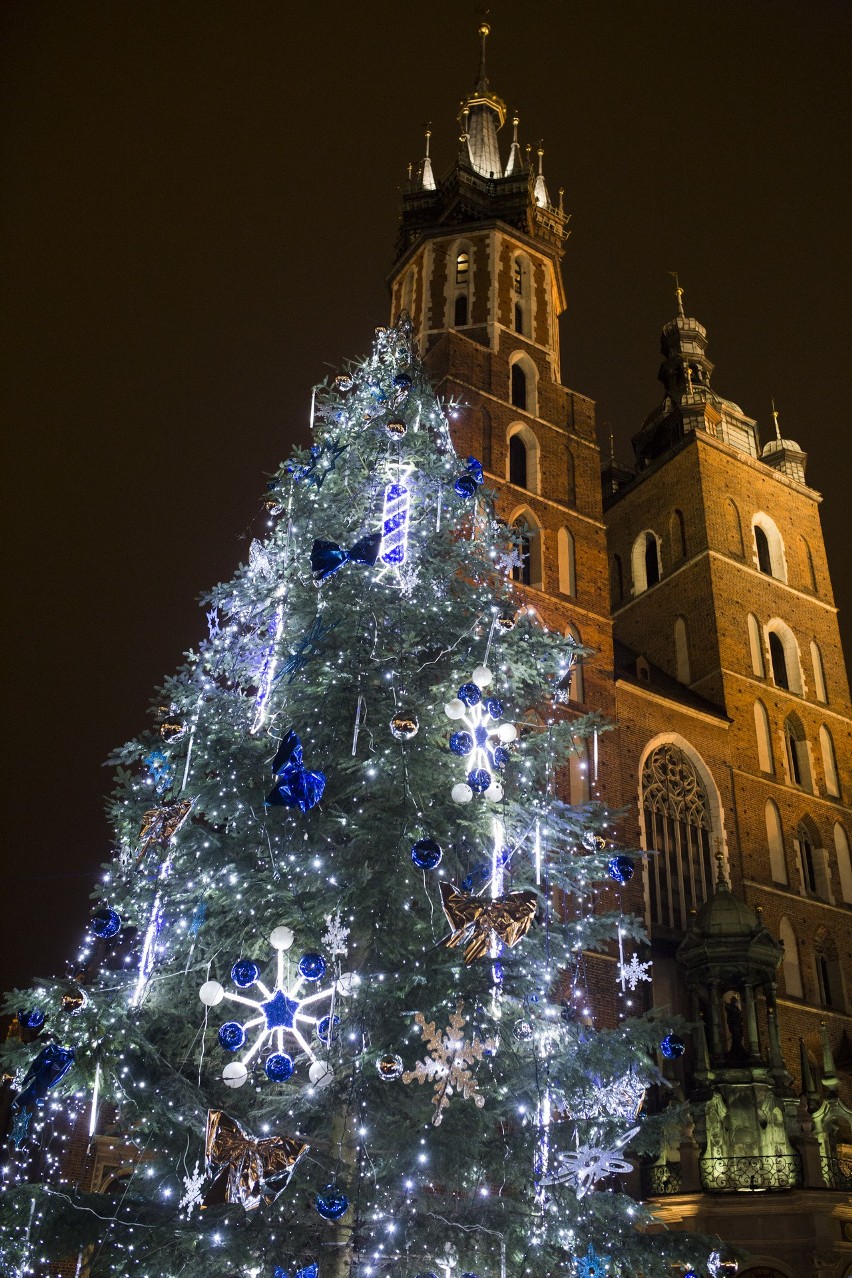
point(721, 877)
point(428, 135)
point(775, 419)
point(678, 293)
point(561, 205)
point(540, 154)
point(612, 446)
point(688, 370)
point(410, 168)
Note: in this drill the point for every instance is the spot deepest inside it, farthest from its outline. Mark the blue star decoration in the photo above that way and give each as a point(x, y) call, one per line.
point(305, 649)
point(591, 1265)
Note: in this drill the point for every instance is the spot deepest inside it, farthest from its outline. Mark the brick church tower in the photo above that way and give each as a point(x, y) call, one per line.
point(699, 578)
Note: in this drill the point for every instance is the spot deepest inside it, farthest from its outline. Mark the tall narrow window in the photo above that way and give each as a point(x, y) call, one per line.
point(677, 536)
point(652, 560)
point(518, 276)
point(755, 647)
point(617, 580)
point(792, 968)
point(460, 314)
point(462, 268)
point(809, 860)
point(844, 863)
point(819, 673)
point(775, 843)
point(829, 979)
point(519, 318)
point(677, 832)
point(519, 386)
point(517, 461)
point(829, 762)
point(523, 540)
point(764, 745)
point(798, 761)
point(645, 562)
point(682, 651)
point(779, 661)
point(567, 567)
point(764, 559)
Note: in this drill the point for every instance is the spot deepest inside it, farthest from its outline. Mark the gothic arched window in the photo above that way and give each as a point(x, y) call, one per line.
point(460, 312)
point(518, 461)
point(764, 559)
point(523, 536)
point(779, 661)
point(677, 835)
point(462, 268)
point(519, 386)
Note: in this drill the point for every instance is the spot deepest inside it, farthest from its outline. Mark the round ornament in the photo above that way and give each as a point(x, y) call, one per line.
point(404, 726)
point(621, 869)
point(427, 1274)
point(234, 1074)
point(32, 1019)
point(232, 1036)
point(479, 779)
point(461, 793)
point(470, 1276)
point(690, 1273)
point(281, 938)
point(320, 1073)
point(461, 743)
point(395, 428)
point(454, 709)
point(501, 756)
point(506, 620)
point(470, 694)
point(279, 1067)
point(74, 1002)
point(244, 973)
point(672, 1047)
point(592, 841)
point(465, 486)
point(507, 732)
point(343, 383)
point(331, 1203)
point(494, 792)
point(494, 707)
point(312, 967)
point(106, 923)
point(522, 1031)
point(327, 1028)
point(211, 993)
point(389, 1067)
point(482, 676)
point(426, 854)
point(402, 382)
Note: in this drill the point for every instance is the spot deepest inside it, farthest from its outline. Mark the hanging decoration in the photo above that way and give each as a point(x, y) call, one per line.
point(327, 557)
point(305, 649)
point(470, 479)
point(31, 1019)
point(294, 787)
point(282, 1013)
point(193, 1184)
point(160, 825)
point(719, 1266)
point(106, 924)
point(159, 769)
point(672, 1047)
point(389, 1067)
point(397, 505)
point(621, 869)
point(336, 939)
point(474, 919)
point(610, 1098)
point(481, 740)
point(584, 1167)
point(323, 460)
point(250, 1169)
point(426, 854)
point(591, 1265)
point(404, 725)
point(449, 1065)
point(49, 1068)
point(331, 1203)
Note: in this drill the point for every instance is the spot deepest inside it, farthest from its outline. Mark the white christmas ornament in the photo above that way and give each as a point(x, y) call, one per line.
point(234, 1074)
point(211, 993)
point(482, 676)
point(630, 974)
point(281, 938)
point(192, 1187)
point(320, 1073)
point(583, 1168)
point(494, 792)
point(461, 793)
point(336, 939)
point(454, 709)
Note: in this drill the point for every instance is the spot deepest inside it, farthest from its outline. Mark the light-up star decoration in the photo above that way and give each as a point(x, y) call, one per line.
point(480, 739)
point(285, 1017)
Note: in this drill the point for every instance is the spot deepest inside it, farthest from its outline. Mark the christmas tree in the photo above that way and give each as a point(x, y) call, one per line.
point(335, 996)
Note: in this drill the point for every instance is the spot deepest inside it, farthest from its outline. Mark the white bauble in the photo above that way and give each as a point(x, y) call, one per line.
point(461, 793)
point(482, 676)
point(234, 1074)
point(494, 792)
point(455, 709)
point(281, 938)
point(211, 993)
point(507, 732)
point(320, 1074)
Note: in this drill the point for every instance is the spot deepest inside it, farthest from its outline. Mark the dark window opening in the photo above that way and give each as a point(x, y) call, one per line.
point(519, 278)
point(652, 561)
point(519, 318)
point(808, 864)
point(462, 267)
point(764, 559)
point(617, 580)
point(519, 387)
point(522, 572)
point(461, 310)
point(779, 661)
point(517, 462)
point(824, 981)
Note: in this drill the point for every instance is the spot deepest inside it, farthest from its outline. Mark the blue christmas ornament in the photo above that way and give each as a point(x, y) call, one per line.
point(480, 736)
point(494, 706)
point(331, 1203)
point(479, 779)
point(309, 1271)
point(312, 967)
point(232, 1036)
point(621, 869)
point(279, 1067)
point(244, 973)
point(465, 486)
point(474, 469)
point(49, 1067)
point(500, 757)
point(426, 854)
point(470, 694)
point(461, 743)
point(326, 1028)
point(467, 882)
point(106, 923)
point(591, 1265)
point(672, 1047)
point(470, 1276)
point(690, 1273)
point(427, 1274)
point(33, 1019)
point(295, 787)
point(402, 382)
point(327, 557)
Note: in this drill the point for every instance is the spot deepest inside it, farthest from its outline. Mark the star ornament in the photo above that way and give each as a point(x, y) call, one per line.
point(588, 1164)
point(287, 1015)
point(591, 1265)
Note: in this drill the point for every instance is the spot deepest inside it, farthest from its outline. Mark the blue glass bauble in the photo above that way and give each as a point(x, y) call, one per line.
point(402, 381)
point(244, 973)
point(426, 854)
point(467, 883)
point(106, 923)
point(465, 486)
point(34, 1019)
point(280, 1272)
point(428, 1274)
point(279, 1067)
point(672, 1047)
point(478, 779)
point(470, 694)
point(232, 1036)
point(312, 967)
point(501, 757)
point(470, 1276)
point(327, 1027)
point(461, 743)
point(331, 1203)
point(309, 1271)
point(482, 870)
point(621, 869)
point(690, 1273)
point(494, 707)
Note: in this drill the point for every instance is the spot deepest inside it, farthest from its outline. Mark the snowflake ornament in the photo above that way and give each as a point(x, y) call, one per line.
point(260, 564)
point(284, 1014)
point(630, 974)
point(610, 1098)
point(336, 939)
point(480, 740)
point(588, 1164)
point(448, 1067)
point(591, 1265)
point(192, 1186)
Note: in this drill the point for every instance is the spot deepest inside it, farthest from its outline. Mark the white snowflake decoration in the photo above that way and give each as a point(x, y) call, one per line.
point(259, 562)
point(588, 1164)
point(611, 1098)
point(336, 939)
point(630, 974)
point(479, 737)
point(449, 1065)
point(283, 1013)
point(192, 1185)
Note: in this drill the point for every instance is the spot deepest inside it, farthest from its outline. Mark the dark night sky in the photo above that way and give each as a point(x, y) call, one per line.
point(199, 202)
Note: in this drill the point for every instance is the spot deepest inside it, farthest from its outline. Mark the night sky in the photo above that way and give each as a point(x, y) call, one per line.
point(199, 204)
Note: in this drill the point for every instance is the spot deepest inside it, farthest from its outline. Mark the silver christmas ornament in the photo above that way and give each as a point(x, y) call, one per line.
point(404, 726)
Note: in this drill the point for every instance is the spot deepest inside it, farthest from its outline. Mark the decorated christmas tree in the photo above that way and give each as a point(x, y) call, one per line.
point(335, 997)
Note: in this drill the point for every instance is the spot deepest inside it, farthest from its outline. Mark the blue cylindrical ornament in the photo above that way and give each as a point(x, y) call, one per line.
point(312, 967)
point(244, 973)
point(426, 854)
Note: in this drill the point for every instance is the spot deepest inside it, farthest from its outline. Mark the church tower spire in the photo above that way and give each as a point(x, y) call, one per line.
point(482, 114)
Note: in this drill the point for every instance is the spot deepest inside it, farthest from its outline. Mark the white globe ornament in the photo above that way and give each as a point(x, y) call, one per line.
point(494, 792)
point(211, 993)
point(507, 732)
point(281, 938)
point(482, 676)
point(320, 1074)
point(454, 709)
point(234, 1074)
point(461, 793)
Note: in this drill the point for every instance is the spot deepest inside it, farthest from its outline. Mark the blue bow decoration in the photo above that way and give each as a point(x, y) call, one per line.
point(49, 1067)
point(294, 787)
point(327, 557)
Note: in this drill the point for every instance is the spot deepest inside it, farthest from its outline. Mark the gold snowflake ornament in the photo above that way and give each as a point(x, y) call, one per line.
point(449, 1066)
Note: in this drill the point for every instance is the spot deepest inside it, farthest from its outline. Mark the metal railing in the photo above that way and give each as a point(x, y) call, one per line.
point(837, 1173)
point(661, 1178)
point(750, 1174)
